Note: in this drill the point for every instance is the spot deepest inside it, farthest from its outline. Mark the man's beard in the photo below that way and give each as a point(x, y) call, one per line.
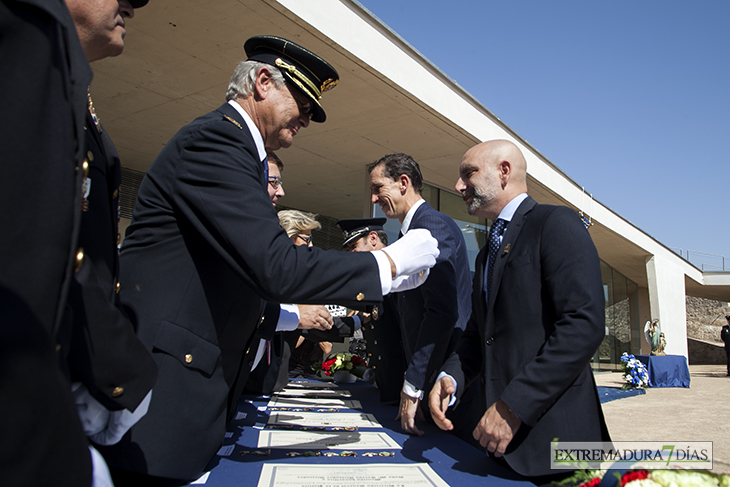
point(481, 197)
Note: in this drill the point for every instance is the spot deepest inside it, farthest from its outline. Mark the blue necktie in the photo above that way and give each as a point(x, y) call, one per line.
point(493, 244)
point(266, 169)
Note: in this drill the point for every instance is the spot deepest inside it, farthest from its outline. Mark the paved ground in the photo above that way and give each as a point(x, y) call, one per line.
point(700, 413)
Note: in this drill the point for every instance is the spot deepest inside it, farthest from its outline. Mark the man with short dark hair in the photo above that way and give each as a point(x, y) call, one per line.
point(205, 249)
point(433, 316)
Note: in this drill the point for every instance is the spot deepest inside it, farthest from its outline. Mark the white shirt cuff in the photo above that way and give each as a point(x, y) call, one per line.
point(288, 317)
point(409, 390)
point(453, 396)
point(386, 275)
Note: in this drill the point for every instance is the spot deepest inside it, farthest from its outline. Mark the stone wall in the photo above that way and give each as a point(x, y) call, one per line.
point(705, 319)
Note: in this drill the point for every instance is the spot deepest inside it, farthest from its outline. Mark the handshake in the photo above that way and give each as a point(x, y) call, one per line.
point(411, 257)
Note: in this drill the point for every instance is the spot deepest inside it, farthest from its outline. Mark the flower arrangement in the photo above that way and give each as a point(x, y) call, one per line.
point(350, 362)
point(650, 478)
point(635, 374)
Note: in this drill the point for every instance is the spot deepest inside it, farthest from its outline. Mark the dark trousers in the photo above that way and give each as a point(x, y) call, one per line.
point(727, 356)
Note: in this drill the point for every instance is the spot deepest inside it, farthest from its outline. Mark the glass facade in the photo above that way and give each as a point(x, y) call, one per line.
point(623, 330)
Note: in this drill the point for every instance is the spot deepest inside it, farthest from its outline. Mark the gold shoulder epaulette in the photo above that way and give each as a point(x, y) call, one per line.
point(233, 121)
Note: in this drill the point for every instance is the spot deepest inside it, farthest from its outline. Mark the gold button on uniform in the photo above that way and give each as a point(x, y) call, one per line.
point(188, 358)
point(117, 391)
point(360, 296)
point(85, 166)
point(90, 155)
point(79, 259)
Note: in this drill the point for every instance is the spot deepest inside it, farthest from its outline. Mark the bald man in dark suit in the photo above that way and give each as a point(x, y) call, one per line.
point(534, 328)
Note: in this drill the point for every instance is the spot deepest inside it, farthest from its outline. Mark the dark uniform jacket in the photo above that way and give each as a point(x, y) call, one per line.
point(534, 341)
point(203, 252)
point(105, 354)
point(43, 92)
point(430, 314)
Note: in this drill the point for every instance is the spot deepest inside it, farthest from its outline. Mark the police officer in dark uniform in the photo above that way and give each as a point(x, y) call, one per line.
point(111, 369)
point(383, 346)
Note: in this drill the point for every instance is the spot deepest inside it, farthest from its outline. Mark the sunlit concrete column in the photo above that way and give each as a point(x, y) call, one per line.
point(667, 302)
point(644, 316)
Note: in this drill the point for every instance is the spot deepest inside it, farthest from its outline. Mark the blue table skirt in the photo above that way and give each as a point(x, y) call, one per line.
point(666, 370)
point(456, 462)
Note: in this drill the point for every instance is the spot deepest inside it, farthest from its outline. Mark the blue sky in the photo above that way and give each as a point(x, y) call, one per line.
point(631, 99)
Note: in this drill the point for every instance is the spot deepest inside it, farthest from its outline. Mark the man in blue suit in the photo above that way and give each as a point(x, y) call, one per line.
point(534, 328)
point(430, 315)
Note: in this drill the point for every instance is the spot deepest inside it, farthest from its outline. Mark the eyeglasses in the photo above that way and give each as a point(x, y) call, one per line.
point(275, 181)
point(306, 238)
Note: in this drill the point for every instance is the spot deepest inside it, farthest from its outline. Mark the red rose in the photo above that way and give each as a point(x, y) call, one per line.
point(591, 483)
point(356, 360)
point(634, 475)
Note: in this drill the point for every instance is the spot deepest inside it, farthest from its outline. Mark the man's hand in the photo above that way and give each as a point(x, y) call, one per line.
point(314, 316)
point(438, 401)
point(407, 414)
point(497, 428)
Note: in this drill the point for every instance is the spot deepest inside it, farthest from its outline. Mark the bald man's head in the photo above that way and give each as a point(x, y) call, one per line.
point(491, 174)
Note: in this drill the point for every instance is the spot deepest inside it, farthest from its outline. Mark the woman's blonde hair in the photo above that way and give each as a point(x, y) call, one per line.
point(295, 221)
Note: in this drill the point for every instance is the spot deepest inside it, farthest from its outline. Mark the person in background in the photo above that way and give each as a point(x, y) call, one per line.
point(276, 187)
point(383, 344)
point(537, 319)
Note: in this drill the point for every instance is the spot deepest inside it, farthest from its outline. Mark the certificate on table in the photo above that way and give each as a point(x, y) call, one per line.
point(310, 402)
point(312, 385)
point(382, 475)
point(313, 393)
point(324, 440)
point(359, 420)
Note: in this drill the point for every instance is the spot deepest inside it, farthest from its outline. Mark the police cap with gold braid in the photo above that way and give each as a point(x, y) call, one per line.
point(355, 228)
point(303, 69)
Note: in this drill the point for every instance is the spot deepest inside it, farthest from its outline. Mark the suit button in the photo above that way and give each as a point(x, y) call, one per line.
point(360, 296)
point(370, 355)
point(85, 166)
point(375, 342)
point(90, 155)
point(188, 358)
point(490, 341)
point(79, 259)
point(117, 391)
point(364, 341)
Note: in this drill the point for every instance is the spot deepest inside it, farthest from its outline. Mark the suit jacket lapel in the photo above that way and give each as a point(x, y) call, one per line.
point(508, 243)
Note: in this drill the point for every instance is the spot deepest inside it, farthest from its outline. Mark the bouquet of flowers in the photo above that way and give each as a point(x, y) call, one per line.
point(648, 478)
point(350, 362)
point(635, 373)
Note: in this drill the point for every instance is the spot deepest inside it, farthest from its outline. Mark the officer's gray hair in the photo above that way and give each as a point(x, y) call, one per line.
point(244, 79)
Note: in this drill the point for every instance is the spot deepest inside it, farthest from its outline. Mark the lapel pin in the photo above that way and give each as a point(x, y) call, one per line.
point(507, 247)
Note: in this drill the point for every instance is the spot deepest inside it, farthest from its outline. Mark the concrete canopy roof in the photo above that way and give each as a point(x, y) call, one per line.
point(180, 55)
